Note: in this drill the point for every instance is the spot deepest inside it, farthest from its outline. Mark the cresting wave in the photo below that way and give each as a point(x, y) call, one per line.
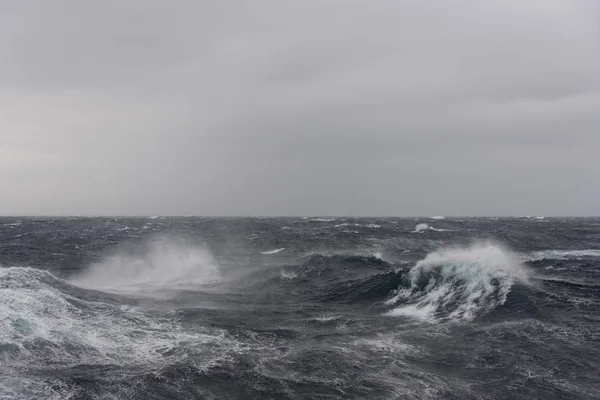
point(458, 284)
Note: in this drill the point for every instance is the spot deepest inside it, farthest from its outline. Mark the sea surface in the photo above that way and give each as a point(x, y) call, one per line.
point(299, 308)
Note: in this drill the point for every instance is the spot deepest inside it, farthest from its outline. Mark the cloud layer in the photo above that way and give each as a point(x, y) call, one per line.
point(318, 107)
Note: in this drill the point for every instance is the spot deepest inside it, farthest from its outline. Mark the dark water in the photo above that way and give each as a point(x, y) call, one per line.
point(184, 308)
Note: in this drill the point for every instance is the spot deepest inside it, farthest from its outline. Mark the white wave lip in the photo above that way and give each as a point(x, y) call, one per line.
point(162, 264)
point(269, 252)
point(459, 284)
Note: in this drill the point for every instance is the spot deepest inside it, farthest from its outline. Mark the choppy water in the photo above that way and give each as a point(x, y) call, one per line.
point(299, 308)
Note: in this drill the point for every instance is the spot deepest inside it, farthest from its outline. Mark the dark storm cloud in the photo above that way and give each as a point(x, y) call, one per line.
point(312, 107)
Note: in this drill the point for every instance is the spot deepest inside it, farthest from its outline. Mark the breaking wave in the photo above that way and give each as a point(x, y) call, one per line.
point(458, 284)
point(164, 263)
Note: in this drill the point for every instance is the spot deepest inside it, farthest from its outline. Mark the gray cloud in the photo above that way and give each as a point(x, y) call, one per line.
point(321, 107)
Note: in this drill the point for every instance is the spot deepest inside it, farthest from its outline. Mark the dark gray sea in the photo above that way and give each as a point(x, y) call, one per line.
point(299, 308)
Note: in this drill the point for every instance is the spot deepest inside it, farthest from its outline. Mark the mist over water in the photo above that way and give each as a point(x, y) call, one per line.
point(161, 263)
point(299, 308)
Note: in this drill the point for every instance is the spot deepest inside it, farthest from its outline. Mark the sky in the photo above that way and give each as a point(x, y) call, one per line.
point(312, 107)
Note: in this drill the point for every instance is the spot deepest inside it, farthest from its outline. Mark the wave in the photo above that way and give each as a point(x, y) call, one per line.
point(420, 228)
point(164, 263)
point(45, 327)
point(273, 251)
point(441, 229)
point(342, 278)
point(319, 264)
point(365, 289)
point(458, 284)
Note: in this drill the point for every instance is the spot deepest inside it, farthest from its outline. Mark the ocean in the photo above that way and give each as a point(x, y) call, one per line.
point(299, 308)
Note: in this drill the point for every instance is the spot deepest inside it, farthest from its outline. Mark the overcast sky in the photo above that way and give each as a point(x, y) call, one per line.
point(305, 107)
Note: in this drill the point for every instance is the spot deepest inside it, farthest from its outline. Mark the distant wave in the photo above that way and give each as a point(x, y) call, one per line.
point(560, 254)
point(273, 251)
point(420, 228)
point(458, 284)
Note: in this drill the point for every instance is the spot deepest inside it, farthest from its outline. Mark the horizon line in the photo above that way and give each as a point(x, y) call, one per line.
point(285, 216)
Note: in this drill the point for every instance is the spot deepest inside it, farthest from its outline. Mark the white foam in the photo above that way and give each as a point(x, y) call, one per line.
point(166, 263)
point(273, 251)
point(288, 275)
point(99, 332)
point(41, 323)
point(437, 217)
point(327, 318)
point(441, 229)
point(18, 223)
point(390, 344)
point(459, 283)
point(421, 228)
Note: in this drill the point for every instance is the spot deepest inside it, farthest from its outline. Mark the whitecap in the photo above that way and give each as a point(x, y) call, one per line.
point(458, 284)
point(288, 275)
point(273, 251)
point(421, 228)
point(327, 317)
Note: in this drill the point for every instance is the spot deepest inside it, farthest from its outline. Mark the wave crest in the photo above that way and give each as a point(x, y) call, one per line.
point(458, 284)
